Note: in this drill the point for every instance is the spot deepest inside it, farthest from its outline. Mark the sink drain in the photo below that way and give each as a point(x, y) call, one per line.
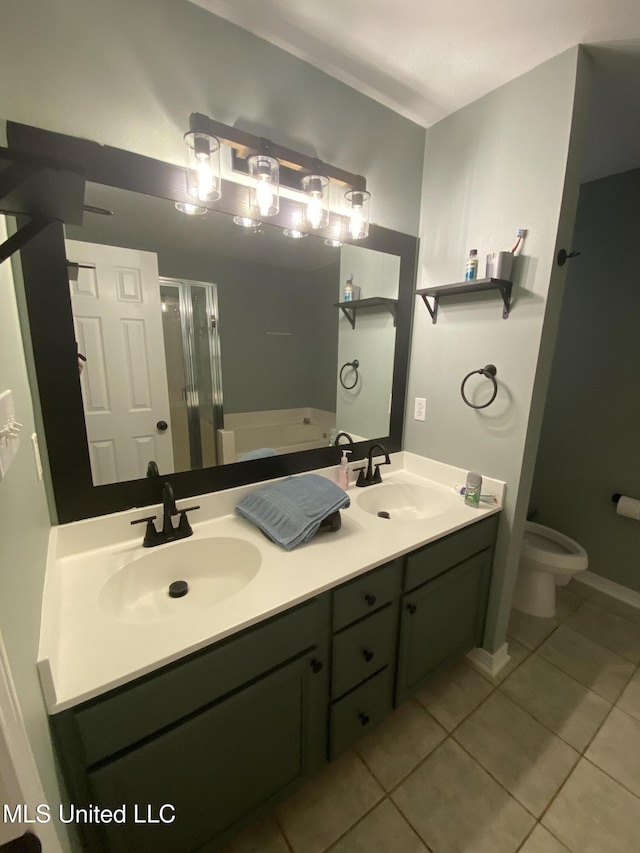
point(383, 514)
point(178, 588)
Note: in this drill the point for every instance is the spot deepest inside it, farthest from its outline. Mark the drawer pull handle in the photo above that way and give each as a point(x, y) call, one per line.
point(316, 665)
point(411, 608)
point(370, 599)
point(367, 655)
point(364, 719)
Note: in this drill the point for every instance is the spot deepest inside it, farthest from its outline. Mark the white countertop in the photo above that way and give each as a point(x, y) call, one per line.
point(85, 650)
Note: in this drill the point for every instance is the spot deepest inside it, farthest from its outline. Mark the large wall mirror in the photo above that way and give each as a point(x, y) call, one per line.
point(215, 350)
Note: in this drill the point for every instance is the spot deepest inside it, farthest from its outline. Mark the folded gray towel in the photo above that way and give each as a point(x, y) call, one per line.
point(291, 511)
point(260, 453)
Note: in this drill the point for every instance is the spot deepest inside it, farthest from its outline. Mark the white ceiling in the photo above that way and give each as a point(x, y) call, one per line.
point(427, 59)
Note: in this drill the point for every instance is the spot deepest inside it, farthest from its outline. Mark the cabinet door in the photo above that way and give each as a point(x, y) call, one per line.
point(220, 765)
point(441, 621)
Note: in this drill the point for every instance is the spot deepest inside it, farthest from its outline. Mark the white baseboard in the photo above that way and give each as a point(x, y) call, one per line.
point(489, 663)
point(615, 590)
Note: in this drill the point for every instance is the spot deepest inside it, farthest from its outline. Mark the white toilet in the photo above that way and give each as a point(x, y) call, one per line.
point(547, 558)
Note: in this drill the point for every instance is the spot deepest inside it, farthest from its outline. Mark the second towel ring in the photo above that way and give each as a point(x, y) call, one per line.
point(489, 371)
point(355, 364)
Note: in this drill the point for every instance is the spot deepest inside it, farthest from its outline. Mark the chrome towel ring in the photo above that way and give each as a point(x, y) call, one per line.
point(489, 371)
point(354, 365)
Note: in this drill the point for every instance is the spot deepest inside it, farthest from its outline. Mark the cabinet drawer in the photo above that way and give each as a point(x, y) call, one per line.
point(433, 559)
point(360, 711)
point(136, 711)
point(365, 594)
point(363, 649)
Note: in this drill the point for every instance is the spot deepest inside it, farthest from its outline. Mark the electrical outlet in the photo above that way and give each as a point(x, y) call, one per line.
point(419, 409)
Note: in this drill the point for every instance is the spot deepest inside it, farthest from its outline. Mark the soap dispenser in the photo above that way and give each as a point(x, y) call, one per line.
point(343, 471)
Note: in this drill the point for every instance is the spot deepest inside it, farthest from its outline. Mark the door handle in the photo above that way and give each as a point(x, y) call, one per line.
point(162, 426)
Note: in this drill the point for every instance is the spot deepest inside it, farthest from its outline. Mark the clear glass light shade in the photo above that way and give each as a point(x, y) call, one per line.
point(203, 166)
point(265, 189)
point(246, 222)
point(358, 213)
point(294, 233)
point(190, 209)
point(316, 214)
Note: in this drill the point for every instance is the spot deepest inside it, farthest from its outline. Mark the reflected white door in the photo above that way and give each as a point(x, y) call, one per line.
point(118, 323)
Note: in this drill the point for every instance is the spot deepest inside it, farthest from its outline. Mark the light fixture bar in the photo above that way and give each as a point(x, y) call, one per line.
point(245, 144)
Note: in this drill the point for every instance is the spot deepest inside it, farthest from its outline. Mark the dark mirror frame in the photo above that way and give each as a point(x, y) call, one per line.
point(48, 305)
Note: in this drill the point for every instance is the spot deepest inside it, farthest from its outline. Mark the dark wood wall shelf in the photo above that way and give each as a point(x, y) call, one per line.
point(350, 308)
point(41, 188)
point(476, 286)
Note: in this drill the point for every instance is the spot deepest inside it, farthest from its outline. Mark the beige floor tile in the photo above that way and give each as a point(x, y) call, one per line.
point(330, 804)
point(594, 814)
point(264, 836)
point(400, 743)
point(524, 756)
point(530, 630)
point(541, 841)
point(616, 750)
point(383, 830)
point(610, 630)
point(454, 694)
point(600, 669)
point(629, 701)
point(564, 705)
point(567, 602)
point(614, 605)
point(455, 805)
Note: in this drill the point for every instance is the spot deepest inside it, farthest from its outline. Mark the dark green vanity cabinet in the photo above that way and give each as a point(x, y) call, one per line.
point(365, 624)
point(444, 605)
point(223, 735)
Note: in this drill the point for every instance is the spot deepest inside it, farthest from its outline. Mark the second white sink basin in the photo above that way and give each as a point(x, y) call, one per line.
point(403, 501)
point(214, 568)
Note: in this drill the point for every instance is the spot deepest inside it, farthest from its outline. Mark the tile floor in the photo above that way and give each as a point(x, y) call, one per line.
point(544, 759)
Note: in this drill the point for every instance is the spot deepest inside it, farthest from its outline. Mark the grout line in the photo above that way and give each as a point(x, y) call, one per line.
point(613, 778)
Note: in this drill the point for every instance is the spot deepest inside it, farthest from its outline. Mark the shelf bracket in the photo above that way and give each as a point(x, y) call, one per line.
point(505, 292)
point(433, 311)
point(22, 237)
point(351, 317)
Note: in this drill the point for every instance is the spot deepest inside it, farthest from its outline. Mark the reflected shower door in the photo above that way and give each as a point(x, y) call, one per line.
point(192, 346)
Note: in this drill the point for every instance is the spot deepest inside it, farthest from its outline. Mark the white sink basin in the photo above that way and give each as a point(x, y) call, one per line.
point(403, 501)
point(214, 568)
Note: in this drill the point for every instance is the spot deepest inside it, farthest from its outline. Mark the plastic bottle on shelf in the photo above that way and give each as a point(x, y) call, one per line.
point(348, 289)
point(471, 269)
point(472, 489)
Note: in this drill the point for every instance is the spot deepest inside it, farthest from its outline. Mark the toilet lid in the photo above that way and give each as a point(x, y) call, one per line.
point(535, 540)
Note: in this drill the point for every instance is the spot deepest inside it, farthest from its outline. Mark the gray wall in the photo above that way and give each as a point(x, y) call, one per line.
point(129, 74)
point(492, 167)
point(589, 447)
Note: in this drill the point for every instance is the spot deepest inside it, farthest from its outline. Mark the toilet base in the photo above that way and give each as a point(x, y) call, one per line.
point(535, 593)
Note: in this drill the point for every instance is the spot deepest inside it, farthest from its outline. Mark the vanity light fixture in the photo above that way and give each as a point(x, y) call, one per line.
point(190, 209)
point(358, 201)
point(317, 206)
point(271, 166)
point(203, 162)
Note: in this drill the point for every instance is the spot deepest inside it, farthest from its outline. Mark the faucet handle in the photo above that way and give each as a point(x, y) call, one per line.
point(151, 535)
point(362, 477)
point(184, 528)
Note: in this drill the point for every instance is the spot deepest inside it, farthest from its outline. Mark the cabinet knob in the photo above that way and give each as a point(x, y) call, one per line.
point(316, 665)
point(364, 719)
point(367, 655)
point(411, 608)
point(370, 599)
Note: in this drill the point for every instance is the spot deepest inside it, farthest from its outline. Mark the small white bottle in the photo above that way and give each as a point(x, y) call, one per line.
point(471, 269)
point(343, 471)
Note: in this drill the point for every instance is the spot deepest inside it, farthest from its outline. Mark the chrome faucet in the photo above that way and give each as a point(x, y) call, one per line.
point(169, 533)
point(370, 477)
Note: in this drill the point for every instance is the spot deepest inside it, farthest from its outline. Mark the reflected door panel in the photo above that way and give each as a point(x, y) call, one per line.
point(117, 319)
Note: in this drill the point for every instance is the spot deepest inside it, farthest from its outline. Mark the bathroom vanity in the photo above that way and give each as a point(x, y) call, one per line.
point(223, 733)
